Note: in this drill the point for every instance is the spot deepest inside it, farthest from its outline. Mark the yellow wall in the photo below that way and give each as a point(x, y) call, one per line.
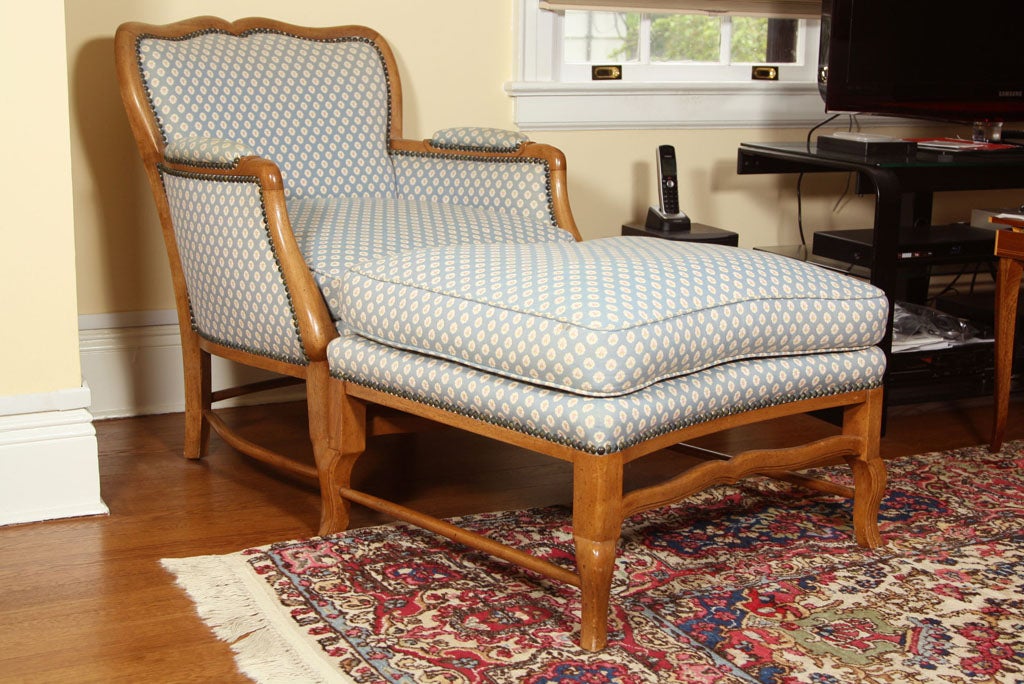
point(454, 57)
point(39, 329)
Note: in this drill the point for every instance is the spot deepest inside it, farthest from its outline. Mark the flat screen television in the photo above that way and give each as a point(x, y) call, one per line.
point(945, 61)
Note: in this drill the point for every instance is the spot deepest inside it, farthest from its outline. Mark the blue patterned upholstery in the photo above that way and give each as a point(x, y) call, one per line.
point(319, 109)
point(207, 151)
point(488, 139)
point(336, 143)
point(237, 295)
point(595, 424)
point(393, 237)
point(520, 186)
point(334, 234)
point(606, 317)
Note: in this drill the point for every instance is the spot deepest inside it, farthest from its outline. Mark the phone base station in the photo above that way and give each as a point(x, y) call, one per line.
point(659, 220)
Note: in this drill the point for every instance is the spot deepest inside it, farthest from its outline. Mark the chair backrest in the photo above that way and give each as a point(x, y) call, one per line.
point(320, 103)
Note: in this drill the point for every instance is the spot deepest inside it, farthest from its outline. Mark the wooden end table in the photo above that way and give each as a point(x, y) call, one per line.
point(1010, 251)
point(698, 232)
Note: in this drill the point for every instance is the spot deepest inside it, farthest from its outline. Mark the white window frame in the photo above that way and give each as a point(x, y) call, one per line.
point(544, 103)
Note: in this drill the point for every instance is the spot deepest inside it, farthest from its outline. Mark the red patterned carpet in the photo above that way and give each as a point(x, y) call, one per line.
point(751, 583)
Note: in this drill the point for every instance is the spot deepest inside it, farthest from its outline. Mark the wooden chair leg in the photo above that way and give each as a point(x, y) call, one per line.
point(869, 476)
point(338, 431)
point(597, 524)
point(198, 392)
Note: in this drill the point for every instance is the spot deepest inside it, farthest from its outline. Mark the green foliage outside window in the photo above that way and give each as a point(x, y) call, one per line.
point(694, 38)
point(749, 39)
point(685, 38)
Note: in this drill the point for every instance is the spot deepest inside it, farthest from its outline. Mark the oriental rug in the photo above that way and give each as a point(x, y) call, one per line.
point(759, 582)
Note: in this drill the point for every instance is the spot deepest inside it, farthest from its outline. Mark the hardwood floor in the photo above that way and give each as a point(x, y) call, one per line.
point(85, 600)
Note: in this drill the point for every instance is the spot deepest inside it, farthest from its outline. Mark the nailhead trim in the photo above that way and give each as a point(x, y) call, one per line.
point(479, 148)
point(216, 166)
point(599, 450)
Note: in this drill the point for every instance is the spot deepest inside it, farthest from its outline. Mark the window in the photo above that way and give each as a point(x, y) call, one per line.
point(679, 70)
point(681, 47)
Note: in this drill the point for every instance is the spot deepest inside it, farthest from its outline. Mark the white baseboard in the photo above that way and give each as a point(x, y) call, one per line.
point(133, 367)
point(49, 459)
point(131, 363)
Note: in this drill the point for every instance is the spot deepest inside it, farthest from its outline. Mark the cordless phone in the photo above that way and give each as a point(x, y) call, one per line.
point(666, 216)
point(668, 186)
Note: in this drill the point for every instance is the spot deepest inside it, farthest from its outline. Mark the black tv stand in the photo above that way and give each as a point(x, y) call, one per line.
point(904, 191)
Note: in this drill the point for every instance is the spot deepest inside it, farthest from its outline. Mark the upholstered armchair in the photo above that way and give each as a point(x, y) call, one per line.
point(443, 281)
point(276, 159)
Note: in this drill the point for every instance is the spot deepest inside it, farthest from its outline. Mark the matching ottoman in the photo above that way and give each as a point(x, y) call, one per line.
point(605, 343)
point(603, 351)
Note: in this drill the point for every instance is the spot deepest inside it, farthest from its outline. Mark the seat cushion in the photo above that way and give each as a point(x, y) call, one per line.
point(602, 425)
point(606, 317)
point(335, 233)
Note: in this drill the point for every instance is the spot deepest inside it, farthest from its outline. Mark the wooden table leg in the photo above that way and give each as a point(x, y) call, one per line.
point(1007, 289)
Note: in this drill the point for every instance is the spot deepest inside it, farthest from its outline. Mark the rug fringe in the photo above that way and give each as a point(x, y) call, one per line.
point(228, 602)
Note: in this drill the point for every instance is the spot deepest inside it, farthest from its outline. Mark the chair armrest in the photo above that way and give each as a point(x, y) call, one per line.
point(478, 139)
point(528, 180)
point(207, 152)
point(248, 284)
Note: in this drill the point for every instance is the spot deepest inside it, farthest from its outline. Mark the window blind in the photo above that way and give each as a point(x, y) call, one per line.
point(801, 9)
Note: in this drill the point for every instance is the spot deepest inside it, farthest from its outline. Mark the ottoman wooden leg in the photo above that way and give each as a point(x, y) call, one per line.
point(597, 523)
point(869, 477)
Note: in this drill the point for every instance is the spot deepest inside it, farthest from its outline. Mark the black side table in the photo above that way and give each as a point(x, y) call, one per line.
point(698, 233)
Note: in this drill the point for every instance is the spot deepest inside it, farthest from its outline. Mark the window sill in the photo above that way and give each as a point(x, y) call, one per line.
point(544, 106)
